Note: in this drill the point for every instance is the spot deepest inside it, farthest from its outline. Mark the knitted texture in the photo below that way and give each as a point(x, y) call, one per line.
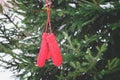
point(54, 49)
point(43, 52)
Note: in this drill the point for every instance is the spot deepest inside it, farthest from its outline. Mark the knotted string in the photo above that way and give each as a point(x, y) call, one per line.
point(48, 7)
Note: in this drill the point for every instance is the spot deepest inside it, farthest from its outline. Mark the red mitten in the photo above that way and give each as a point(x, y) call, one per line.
point(54, 49)
point(43, 52)
point(48, 55)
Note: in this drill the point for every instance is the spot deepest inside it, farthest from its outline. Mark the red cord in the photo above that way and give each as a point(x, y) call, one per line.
point(48, 23)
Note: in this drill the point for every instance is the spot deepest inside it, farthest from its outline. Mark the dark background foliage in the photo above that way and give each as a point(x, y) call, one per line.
point(87, 32)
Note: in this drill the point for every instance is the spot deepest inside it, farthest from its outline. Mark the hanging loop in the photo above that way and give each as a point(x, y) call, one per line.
point(48, 7)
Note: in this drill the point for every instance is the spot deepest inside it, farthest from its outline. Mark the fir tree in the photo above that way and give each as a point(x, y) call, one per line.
point(88, 32)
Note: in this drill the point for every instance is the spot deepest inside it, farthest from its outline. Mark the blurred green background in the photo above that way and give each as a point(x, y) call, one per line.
point(88, 32)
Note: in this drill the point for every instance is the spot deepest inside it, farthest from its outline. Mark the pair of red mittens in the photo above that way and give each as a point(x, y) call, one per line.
point(49, 49)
